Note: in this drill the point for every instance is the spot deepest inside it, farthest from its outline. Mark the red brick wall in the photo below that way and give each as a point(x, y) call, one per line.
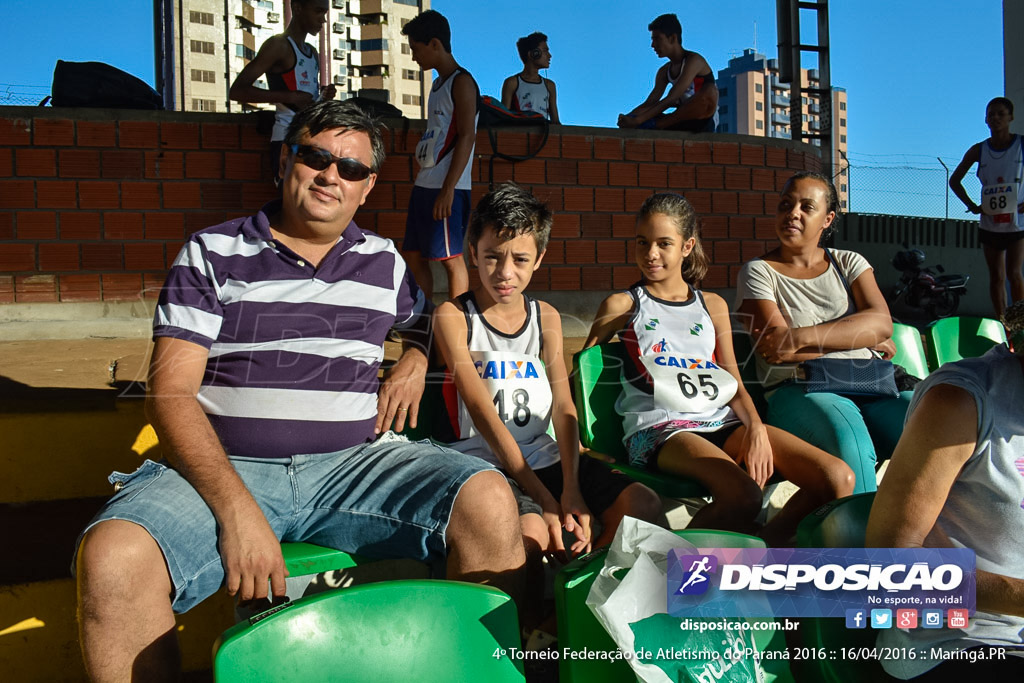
point(94, 205)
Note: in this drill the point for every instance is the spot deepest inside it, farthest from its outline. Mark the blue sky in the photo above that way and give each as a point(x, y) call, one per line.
point(918, 73)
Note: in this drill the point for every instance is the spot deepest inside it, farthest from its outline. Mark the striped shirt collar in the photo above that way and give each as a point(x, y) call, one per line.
point(258, 227)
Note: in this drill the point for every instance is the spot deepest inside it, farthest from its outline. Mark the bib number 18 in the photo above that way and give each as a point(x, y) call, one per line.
point(520, 406)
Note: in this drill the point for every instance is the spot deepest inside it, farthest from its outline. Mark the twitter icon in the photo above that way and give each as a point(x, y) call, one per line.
point(881, 618)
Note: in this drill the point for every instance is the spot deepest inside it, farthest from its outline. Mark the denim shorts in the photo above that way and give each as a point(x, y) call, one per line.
point(388, 499)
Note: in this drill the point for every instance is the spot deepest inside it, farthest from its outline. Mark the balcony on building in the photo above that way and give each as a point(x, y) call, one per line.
point(273, 17)
point(248, 13)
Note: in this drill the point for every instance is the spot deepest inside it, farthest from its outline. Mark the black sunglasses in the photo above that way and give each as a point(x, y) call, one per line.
point(319, 159)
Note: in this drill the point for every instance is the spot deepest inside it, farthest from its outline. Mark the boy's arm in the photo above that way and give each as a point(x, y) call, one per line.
point(971, 157)
point(695, 63)
point(272, 53)
point(508, 91)
point(611, 317)
point(464, 95)
point(630, 120)
point(567, 434)
point(552, 103)
point(450, 333)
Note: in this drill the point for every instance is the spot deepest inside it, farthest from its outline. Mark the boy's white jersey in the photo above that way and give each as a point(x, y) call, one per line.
point(531, 97)
point(435, 149)
point(511, 368)
point(1002, 186)
point(673, 374)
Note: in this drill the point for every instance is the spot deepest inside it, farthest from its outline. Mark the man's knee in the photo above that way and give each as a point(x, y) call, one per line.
point(484, 503)
point(641, 502)
point(119, 560)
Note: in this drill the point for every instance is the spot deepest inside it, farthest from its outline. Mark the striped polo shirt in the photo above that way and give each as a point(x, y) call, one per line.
point(294, 349)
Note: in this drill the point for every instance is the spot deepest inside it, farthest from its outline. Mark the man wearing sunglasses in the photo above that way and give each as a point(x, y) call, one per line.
point(263, 389)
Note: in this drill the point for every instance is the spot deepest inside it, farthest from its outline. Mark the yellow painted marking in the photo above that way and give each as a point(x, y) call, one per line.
point(24, 625)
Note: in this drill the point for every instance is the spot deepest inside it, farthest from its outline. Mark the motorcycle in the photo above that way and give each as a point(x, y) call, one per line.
point(931, 290)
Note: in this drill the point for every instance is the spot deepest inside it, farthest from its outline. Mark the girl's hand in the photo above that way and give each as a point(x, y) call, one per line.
point(756, 453)
point(775, 344)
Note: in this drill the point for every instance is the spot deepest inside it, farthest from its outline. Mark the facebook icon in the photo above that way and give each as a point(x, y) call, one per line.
point(856, 618)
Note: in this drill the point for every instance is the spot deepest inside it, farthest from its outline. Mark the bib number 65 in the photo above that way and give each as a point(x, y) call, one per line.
point(704, 385)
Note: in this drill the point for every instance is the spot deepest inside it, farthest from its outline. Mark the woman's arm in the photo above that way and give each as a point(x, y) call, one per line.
point(777, 342)
point(940, 436)
point(611, 317)
point(757, 451)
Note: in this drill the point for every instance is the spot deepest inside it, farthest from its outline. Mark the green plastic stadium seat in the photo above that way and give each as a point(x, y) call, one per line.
point(909, 350)
point(596, 388)
point(579, 629)
point(746, 361)
point(952, 339)
point(839, 524)
point(412, 631)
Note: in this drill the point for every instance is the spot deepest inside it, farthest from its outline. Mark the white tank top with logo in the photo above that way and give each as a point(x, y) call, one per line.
point(531, 97)
point(304, 76)
point(671, 373)
point(437, 146)
point(1002, 186)
point(511, 369)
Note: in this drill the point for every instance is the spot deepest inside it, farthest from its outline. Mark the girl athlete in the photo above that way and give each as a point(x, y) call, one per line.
point(684, 407)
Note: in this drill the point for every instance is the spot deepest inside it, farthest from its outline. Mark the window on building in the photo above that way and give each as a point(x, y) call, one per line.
point(803, 100)
point(411, 74)
point(723, 109)
point(724, 127)
point(203, 76)
point(758, 87)
point(759, 125)
point(243, 51)
point(201, 18)
point(411, 99)
point(842, 139)
point(842, 188)
point(842, 106)
point(266, 4)
point(804, 118)
point(203, 105)
point(410, 3)
point(203, 47)
point(405, 49)
point(759, 106)
point(371, 45)
point(842, 122)
point(722, 92)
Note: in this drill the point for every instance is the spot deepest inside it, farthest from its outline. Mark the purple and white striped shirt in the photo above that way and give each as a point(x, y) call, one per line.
point(293, 350)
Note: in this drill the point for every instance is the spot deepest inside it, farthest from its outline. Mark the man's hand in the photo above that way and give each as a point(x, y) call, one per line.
point(576, 519)
point(251, 555)
point(443, 203)
point(328, 93)
point(886, 348)
point(398, 401)
point(627, 121)
point(756, 453)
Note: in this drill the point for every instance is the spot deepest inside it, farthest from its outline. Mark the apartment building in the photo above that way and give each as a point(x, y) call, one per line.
point(201, 45)
point(752, 101)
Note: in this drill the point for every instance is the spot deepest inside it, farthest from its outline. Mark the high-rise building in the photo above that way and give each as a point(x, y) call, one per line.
point(752, 101)
point(203, 44)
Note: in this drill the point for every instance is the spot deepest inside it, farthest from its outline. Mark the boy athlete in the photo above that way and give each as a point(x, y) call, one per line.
point(292, 67)
point(440, 203)
point(528, 90)
point(508, 385)
point(690, 82)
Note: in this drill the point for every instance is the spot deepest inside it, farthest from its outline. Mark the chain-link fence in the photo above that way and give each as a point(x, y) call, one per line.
point(22, 95)
point(913, 187)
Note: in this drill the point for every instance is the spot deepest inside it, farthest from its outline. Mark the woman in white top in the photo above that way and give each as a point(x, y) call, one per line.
point(794, 302)
point(1000, 162)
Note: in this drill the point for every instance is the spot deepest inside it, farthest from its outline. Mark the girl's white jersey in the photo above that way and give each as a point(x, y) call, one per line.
point(673, 374)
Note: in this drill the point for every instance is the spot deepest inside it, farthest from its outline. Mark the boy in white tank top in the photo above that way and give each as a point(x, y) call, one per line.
point(507, 385)
point(440, 202)
point(528, 90)
point(292, 67)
